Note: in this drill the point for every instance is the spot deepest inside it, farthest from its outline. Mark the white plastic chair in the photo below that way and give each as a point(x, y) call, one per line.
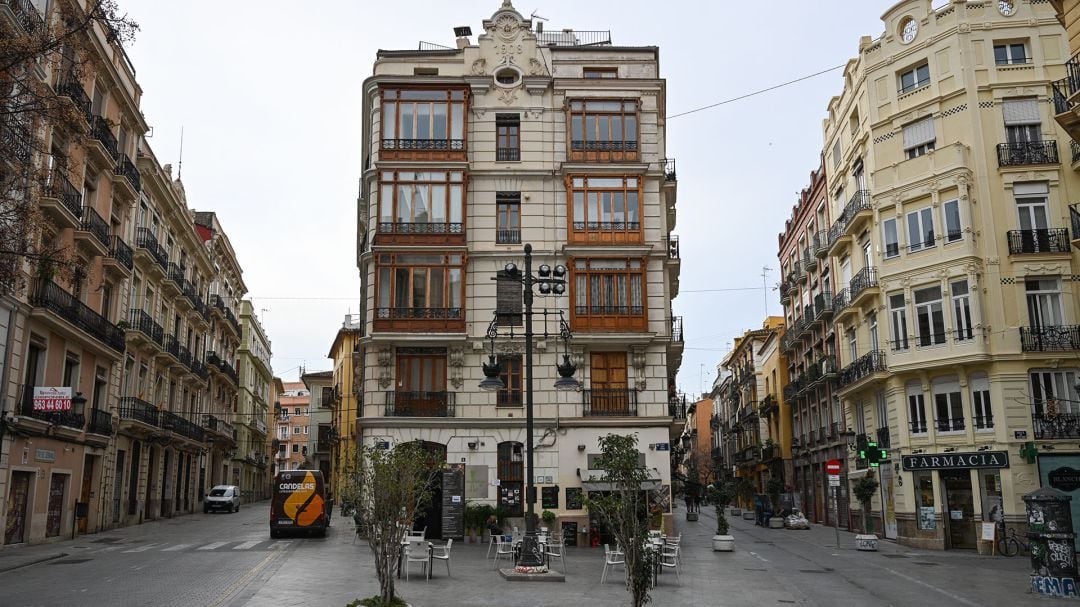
point(675, 541)
point(492, 541)
point(553, 549)
point(416, 552)
point(502, 548)
point(669, 557)
point(611, 559)
point(444, 555)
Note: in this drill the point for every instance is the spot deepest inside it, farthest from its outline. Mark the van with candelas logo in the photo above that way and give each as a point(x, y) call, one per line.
point(299, 503)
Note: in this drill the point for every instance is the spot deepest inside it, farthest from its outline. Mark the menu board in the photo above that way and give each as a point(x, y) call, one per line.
point(453, 501)
point(549, 497)
point(574, 498)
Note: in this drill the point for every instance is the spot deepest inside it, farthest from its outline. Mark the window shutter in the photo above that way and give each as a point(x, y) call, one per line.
point(1021, 111)
point(919, 133)
point(836, 153)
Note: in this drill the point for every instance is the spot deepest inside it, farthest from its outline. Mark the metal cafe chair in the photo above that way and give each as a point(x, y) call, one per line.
point(443, 554)
point(416, 552)
point(611, 559)
point(502, 548)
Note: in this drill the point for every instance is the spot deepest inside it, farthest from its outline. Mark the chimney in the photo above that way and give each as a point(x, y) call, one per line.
point(463, 32)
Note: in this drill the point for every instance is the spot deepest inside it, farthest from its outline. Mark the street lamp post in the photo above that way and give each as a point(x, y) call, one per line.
point(549, 281)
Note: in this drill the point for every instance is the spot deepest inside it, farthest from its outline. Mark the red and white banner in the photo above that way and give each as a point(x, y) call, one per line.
point(52, 399)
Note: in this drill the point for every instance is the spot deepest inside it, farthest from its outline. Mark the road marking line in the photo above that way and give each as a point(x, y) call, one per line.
point(142, 548)
point(759, 557)
point(932, 587)
point(106, 549)
point(213, 546)
point(247, 545)
point(177, 547)
point(278, 545)
point(239, 584)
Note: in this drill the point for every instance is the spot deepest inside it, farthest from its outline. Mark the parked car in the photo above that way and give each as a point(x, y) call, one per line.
point(222, 497)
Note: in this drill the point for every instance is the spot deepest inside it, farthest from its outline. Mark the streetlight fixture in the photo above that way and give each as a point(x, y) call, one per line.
point(549, 281)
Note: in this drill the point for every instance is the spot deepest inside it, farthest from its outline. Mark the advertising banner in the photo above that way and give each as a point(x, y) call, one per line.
point(52, 399)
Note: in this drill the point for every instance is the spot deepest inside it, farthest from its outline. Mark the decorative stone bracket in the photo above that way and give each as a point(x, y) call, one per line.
point(637, 360)
point(386, 359)
point(457, 364)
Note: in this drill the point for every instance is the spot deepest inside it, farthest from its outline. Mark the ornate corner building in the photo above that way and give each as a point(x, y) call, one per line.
point(551, 138)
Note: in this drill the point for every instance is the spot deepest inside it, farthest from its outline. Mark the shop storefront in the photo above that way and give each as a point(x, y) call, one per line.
point(1062, 472)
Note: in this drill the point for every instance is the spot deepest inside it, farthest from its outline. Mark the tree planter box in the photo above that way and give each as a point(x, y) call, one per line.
point(866, 542)
point(736, 511)
point(691, 516)
point(776, 523)
point(748, 516)
point(723, 543)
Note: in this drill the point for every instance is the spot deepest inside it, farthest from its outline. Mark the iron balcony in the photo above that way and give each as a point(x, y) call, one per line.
point(1062, 338)
point(1027, 152)
point(419, 404)
point(1047, 240)
point(50, 296)
point(602, 402)
point(1055, 426)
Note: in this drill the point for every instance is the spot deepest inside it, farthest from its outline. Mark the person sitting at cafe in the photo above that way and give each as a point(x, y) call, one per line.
point(493, 525)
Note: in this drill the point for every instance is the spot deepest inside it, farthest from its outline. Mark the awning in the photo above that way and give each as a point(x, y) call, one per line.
point(854, 475)
point(596, 480)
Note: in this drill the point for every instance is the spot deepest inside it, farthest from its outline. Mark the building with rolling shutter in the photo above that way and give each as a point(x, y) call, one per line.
point(554, 139)
point(955, 314)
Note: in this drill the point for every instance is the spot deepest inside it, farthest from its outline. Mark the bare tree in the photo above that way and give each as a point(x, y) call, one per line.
point(393, 485)
point(42, 63)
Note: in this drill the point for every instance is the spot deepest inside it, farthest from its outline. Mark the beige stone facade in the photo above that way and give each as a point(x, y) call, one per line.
point(253, 405)
point(500, 143)
point(955, 314)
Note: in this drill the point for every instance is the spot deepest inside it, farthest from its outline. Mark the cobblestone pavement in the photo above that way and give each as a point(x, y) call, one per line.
point(229, 559)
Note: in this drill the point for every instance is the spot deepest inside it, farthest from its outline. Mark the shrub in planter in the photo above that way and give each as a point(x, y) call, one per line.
point(549, 520)
point(864, 491)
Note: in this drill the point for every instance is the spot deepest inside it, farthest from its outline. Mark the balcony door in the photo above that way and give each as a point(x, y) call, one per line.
point(1044, 302)
point(608, 383)
point(421, 383)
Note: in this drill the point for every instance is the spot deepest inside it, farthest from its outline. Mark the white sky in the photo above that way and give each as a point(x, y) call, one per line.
point(269, 96)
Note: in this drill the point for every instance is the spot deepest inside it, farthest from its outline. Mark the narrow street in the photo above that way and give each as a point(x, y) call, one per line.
point(230, 560)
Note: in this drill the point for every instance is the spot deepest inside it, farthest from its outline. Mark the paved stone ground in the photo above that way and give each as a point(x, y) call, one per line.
point(229, 559)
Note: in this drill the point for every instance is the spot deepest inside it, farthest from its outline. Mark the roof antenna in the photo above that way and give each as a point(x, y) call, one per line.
point(180, 169)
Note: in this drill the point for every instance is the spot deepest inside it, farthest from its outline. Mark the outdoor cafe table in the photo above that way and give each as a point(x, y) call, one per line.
point(430, 560)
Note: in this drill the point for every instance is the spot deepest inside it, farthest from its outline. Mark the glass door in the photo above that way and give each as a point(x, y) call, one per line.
point(959, 509)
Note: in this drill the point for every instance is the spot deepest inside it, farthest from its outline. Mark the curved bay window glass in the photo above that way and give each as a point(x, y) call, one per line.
point(603, 129)
point(605, 210)
point(608, 295)
point(423, 124)
point(420, 292)
point(425, 207)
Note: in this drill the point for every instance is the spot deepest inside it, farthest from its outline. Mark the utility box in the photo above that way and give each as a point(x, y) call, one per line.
point(1053, 543)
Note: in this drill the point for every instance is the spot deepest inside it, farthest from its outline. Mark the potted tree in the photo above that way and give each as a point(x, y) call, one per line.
point(549, 520)
point(745, 490)
point(473, 522)
point(774, 487)
point(864, 491)
point(720, 496)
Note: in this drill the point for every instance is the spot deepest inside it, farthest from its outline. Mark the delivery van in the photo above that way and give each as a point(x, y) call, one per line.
point(299, 503)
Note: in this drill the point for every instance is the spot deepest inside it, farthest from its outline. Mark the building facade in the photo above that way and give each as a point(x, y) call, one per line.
point(347, 374)
point(954, 315)
point(320, 385)
point(253, 405)
point(293, 427)
point(807, 293)
point(554, 139)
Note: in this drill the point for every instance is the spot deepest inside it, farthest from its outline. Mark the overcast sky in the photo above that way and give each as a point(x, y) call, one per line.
point(269, 94)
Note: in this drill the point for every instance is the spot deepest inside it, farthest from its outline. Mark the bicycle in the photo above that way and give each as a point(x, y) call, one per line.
point(1010, 544)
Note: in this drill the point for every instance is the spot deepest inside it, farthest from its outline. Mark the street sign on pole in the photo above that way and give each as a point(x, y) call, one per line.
point(834, 480)
point(833, 467)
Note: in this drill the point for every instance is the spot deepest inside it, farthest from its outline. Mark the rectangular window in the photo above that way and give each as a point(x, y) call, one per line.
point(871, 320)
point(508, 217)
point(609, 294)
point(947, 405)
point(423, 121)
point(296, 448)
point(924, 499)
point(415, 286)
point(916, 408)
point(920, 226)
point(853, 346)
point(898, 311)
point(892, 239)
point(600, 72)
point(836, 153)
point(507, 137)
point(919, 137)
point(951, 213)
point(1044, 302)
point(605, 209)
point(1011, 53)
point(1054, 393)
point(914, 78)
point(961, 305)
point(511, 396)
point(603, 129)
point(929, 316)
point(1023, 121)
point(296, 429)
point(421, 202)
point(982, 412)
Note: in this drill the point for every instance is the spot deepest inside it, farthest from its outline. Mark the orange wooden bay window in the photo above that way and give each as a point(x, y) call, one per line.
point(421, 207)
point(603, 130)
point(608, 295)
point(420, 292)
point(605, 210)
point(423, 124)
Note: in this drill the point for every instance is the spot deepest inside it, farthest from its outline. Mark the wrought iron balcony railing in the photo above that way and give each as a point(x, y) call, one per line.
point(420, 313)
point(1074, 220)
point(126, 169)
point(57, 186)
point(16, 140)
point(420, 227)
point(1027, 152)
point(172, 346)
point(93, 223)
point(677, 406)
point(865, 279)
point(949, 425)
point(102, 132)
point(145, 239)
point(50, 296)
point(668, 165)
point(1054, 426)
point(182, 426)
point(27, 15)
point(419, 404)
point(1047, 240)
point(574, 38)
point(424, 144)
point(865, 366)
point(136, 409)
point(145, 324)
point(73, 89)
point(1060, 338)
point(507, 236)
point(100, 422)
point(883, 437)
point(677, 329)
point(600, 402)
point(507, 154)
point(673, 247)
point(120, 251)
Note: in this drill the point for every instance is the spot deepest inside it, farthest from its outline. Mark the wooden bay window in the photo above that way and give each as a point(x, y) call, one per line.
point(421, 207)
point(605, 210)
point(420, 292)
point(603, 129)
point(423, 124)
point(608, 295)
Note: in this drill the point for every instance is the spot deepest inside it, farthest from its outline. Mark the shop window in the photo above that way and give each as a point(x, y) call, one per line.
point(924, 500)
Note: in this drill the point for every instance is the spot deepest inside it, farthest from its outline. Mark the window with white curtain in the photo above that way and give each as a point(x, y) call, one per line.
point(1044, 302)
point(961, 306)
point(1053, 392)
point(920, 226)
point(898, 313)
point(1023, 122)
point(929, 316)
point(919, 137)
